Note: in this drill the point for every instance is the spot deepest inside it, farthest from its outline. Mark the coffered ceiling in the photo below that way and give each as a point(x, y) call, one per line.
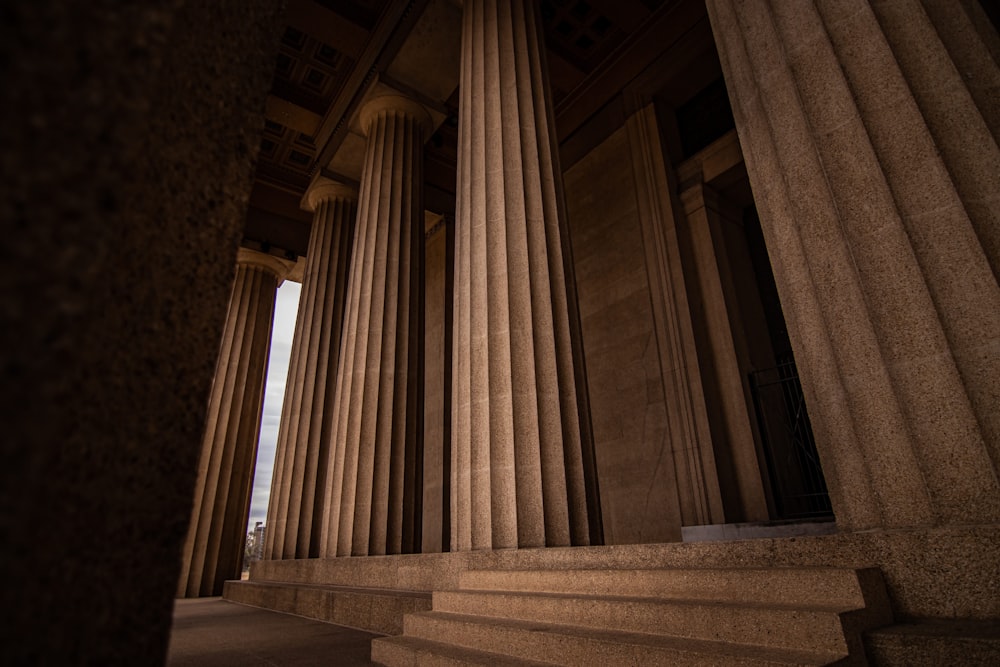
point(334, 52)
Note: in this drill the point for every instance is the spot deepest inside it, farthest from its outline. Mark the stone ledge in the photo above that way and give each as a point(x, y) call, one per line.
point(951, 572)
point(378, 610)
point(935, 642)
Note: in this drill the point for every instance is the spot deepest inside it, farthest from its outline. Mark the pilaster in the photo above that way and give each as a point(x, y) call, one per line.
point(731, 322)
point(699, 500)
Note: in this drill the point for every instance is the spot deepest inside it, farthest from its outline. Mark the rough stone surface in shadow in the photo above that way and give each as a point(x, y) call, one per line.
point(214, 633)
point(129, 137)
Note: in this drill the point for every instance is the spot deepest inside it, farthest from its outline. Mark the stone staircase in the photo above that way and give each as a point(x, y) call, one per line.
point(712, 616)
point(371, 593)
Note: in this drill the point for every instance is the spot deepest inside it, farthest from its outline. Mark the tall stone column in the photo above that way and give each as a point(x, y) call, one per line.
point(213, 550)
point(298, 487)
point(374, 499)
point(517, 457)
point(871, 144)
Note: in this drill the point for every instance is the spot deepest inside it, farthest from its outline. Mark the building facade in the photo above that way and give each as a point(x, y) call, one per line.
point(598, 285)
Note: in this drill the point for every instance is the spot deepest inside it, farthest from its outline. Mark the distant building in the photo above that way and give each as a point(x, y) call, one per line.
point(259, 531)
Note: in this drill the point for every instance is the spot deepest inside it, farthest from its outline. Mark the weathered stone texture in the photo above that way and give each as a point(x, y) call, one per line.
point(213, 550)
point(437, 384)
point(129, 137)
point(372, 494)
point(871, 206)
point(632, 447)
point(517, 458)
point(298, 486)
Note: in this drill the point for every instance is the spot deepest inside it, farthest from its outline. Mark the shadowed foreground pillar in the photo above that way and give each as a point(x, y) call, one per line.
point(298, 486)
point(374, 497)
point(127, 180)
point(871, 145)
point(517, 458)
point(213, 550)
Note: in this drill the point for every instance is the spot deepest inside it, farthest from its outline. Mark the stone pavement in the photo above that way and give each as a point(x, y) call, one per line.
point(212, 632)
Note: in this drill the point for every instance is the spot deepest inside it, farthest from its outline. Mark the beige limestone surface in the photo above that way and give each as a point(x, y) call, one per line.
point(949, 572)
point(299, 478)
point(878, 245)
point(438, 278)
point(699, 497)
point(629, 407)
point(372, 490)
point(517, 454)
point(213, 550)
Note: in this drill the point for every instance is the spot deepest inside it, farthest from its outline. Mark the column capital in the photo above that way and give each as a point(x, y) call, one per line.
point(279, 267)
point(322, 188)
point(399, 103)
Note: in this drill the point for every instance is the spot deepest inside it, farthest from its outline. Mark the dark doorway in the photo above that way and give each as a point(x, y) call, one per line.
point(798, 488)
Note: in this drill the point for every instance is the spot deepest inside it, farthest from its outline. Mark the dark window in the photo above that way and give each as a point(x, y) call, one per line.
point(284, 64)
point(314, 77)
point(704, 118)
point(600, 25)
point(293, 38)
point(298, 158)
point(992, 9)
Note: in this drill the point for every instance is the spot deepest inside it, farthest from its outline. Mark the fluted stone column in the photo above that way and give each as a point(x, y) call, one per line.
point(517, 460)
point(299, 484)
point(870, 137)
point(213, 550)
point(374, 496)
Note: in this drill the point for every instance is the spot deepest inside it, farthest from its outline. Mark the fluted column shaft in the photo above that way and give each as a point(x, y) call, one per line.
point(298, 487)
point(870, 138)
point(374, 499)
point(517, 459)
point(213, 550)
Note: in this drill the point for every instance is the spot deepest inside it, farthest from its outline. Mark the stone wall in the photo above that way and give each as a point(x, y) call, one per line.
point(437, 459)
point(635, 468)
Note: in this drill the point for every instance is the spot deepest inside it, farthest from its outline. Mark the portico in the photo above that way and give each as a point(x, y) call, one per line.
point(684, 314)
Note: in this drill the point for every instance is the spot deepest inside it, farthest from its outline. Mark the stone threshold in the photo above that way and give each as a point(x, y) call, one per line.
point(757, 530)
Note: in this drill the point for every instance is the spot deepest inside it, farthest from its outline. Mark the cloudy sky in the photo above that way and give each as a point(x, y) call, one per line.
point(274, 392)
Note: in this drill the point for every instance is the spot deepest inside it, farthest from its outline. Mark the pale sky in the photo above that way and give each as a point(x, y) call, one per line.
point(274, 392)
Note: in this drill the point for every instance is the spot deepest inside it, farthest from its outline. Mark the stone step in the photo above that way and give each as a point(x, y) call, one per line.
point(756, 624)
point(834, 588)
point(933, 642)
point(402, 572)
point(560, 644)
point(414, 652)
point(378, 610)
